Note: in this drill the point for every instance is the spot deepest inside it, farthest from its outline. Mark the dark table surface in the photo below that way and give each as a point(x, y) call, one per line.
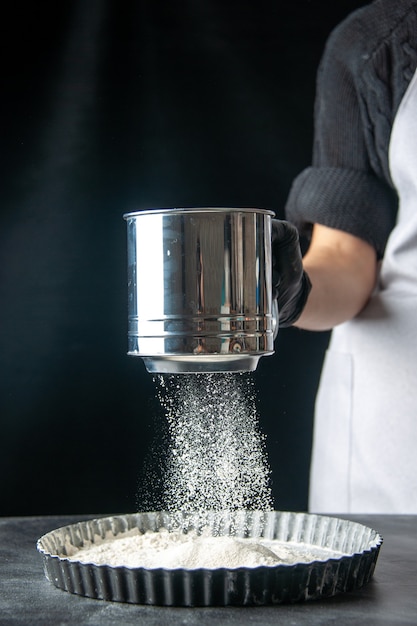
point(26, 597)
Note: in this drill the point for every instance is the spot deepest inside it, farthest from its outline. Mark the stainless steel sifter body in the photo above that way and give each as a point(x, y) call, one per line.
point(200, 289)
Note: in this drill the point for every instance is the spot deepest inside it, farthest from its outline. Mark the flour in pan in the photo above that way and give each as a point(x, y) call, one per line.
point(170, 550)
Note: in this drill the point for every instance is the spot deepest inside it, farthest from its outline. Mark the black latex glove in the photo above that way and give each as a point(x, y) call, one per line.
point(290, 283)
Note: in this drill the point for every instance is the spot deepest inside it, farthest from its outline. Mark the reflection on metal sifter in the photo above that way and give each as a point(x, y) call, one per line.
point(200, 289)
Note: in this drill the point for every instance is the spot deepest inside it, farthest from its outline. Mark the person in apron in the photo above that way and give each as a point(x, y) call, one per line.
point(358, 201)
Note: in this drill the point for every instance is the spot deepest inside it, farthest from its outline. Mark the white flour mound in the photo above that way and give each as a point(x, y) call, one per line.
point(172, 550)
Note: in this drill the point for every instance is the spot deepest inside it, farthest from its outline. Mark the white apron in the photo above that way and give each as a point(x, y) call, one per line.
point(365, 432)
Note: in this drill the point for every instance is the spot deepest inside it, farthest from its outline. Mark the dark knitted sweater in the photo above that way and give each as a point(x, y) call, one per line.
point(367, 65)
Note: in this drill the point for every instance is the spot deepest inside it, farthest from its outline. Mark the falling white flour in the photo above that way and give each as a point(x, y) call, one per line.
point(216, 458)
point(215, 461)
point(190, 551)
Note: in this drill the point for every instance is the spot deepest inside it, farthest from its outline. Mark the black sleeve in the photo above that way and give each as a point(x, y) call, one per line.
point(341, 189)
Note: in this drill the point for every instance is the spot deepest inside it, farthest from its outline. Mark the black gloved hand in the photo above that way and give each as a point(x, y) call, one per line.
point(290, 283)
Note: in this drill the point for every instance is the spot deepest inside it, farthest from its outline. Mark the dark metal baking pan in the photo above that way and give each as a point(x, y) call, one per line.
point(243, 586)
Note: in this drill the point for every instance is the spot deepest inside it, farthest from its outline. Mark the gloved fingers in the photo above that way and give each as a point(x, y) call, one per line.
point(290, 284)
point(286, 255)
point(284, 233)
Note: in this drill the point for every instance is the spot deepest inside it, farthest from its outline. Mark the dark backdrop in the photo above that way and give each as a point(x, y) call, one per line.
point(112, 106)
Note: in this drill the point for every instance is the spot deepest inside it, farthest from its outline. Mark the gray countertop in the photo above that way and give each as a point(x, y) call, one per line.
point(26, 597)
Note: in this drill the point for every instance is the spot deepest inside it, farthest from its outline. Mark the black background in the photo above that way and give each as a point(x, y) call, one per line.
point(111, 106)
